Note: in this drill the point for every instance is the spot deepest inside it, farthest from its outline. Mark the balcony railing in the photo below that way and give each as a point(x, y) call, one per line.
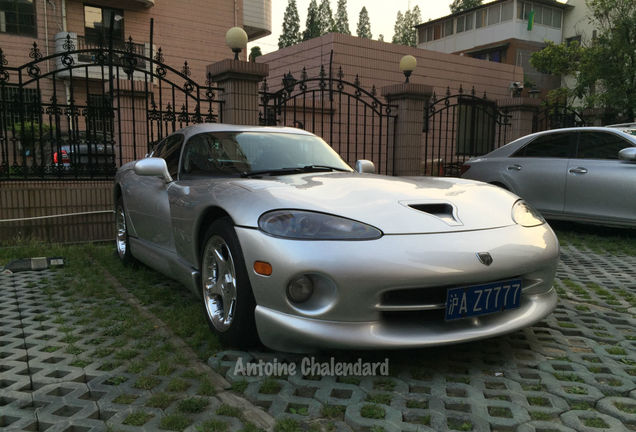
point(79, 43)
point(88, 43)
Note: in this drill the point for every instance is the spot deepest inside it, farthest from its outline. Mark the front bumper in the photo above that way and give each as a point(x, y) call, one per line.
point(349, 311)
point(290, 333)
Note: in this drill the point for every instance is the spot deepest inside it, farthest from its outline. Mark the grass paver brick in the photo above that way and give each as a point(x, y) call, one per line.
point(575, 370)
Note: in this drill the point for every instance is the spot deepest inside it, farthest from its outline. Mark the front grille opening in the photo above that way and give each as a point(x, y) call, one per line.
point(414, 296)
point(414, 316)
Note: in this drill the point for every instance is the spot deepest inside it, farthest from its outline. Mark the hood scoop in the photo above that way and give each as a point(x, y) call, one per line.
point(443, 211)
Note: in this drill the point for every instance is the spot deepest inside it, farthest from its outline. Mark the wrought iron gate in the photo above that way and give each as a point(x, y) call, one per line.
point(80, 113)
point(555, 117)
point(351, 119)
point(458, 127)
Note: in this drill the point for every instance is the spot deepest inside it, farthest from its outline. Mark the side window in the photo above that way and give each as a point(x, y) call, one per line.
point(157, 147)
point(558, 145)
point(170, 151)
point(600, 145)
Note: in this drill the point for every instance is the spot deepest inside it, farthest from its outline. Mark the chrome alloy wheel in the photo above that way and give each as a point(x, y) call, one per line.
point(120, 223)
point(219, 283)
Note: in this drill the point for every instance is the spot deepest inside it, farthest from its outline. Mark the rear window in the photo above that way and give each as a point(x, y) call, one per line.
point(558, 145)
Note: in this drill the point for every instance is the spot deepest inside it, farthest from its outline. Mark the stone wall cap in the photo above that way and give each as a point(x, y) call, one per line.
point(518, 102)
point(238, 69)
point(407, 90)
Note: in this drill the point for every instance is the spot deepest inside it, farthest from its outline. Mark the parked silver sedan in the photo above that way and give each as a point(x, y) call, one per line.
point(584, 174)
point(283, 241)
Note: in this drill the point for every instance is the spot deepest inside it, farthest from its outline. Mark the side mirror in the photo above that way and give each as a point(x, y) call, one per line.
point(155, 167)
point(628, 154)
point(365, 166)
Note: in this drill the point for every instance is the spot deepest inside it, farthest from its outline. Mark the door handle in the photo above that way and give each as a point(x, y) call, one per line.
point(514, 167)
point(578, 170)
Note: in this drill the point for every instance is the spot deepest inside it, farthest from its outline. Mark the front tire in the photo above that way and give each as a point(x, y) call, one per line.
point(228, 301)
point(122, 242)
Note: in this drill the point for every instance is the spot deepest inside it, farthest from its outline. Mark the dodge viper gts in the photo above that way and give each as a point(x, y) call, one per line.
point(286, 244)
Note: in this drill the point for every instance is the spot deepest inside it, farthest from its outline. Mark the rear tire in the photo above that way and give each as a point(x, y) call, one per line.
point(228, 301)
point(122, 243)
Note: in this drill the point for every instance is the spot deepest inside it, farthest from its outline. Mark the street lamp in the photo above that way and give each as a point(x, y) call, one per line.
point(236, 39)
point(407, 66)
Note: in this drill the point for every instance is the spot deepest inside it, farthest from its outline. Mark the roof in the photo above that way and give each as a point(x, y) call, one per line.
point(222, 127)
point(553, 3)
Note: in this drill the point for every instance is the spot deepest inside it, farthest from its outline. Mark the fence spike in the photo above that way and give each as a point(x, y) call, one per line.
point(461, 89)
point(186, 69)
point(68, 44)
point(448, 93)
point(472, 91)
point(340, 73)
point(303, 74)
point(130, 45)
point(159, 55)
point(35, 52)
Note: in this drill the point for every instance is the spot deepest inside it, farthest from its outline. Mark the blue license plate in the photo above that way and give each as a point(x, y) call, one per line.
point(482, 299)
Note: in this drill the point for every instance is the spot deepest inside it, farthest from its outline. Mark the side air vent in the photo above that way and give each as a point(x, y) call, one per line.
point(441, 210)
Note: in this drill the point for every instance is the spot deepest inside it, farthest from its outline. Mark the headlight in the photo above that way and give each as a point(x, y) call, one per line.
point(524, 215)
point(306, 225)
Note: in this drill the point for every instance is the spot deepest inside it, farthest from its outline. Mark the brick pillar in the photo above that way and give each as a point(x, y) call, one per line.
point(522, 111)
point(412, 101)
point(239, 81)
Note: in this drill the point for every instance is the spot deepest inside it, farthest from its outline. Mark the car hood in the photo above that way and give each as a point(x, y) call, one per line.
point(395, 205)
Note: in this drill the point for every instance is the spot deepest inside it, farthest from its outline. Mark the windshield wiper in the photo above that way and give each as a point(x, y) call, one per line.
point(323, 167)
point(292, 170)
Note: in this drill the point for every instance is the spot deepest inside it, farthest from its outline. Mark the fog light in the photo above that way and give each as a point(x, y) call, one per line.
point(300, 289)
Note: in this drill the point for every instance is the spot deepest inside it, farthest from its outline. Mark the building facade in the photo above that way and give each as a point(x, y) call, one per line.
point(504, 31)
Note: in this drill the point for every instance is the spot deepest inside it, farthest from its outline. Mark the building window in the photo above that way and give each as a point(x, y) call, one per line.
point(469, 21)
point(13, 111)
point(481, 18)
point(448, 27)
point(571, 40)
point(544, 15)
point(495, 55)
point(97, 24)
point(506, 11)
point(99, 115)
point(494, 16)
point(17, 17)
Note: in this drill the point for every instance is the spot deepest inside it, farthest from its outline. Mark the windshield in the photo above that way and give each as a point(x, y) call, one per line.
point(242, 153)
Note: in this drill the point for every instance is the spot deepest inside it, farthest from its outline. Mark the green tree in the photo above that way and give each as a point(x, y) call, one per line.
point(412, 18)
point(325, 17)
point(312, 24)
point(462, 5)
point(381, 37)
point(398, 29)
point(364, 25)
point(291, 26)
point(341, 23)
point(604, 68)
point(404, 31)
point(255, 52)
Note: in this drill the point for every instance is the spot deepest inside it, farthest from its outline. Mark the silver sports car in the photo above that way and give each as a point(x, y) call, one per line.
point(587, 174)
point(283, 241)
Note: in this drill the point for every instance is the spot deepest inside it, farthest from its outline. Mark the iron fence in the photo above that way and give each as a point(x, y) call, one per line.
point(81, 113)
point(460, 126)
point(353, 120)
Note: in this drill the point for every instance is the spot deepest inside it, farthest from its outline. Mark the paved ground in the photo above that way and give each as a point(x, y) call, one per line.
point(68, 364)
